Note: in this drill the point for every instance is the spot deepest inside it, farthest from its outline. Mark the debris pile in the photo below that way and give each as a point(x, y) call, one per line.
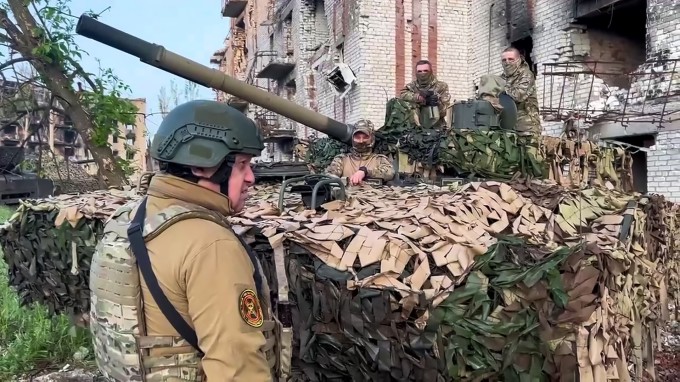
point(68, 178)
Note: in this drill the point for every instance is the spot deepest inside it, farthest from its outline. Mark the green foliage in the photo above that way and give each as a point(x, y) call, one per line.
point(30, 337)
point(103, 99)
point(487, 333)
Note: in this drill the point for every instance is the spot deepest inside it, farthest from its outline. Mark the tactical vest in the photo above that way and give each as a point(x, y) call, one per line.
point(121, 345)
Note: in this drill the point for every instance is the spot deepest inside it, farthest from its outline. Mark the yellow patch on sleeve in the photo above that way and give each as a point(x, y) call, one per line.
point(251, 311)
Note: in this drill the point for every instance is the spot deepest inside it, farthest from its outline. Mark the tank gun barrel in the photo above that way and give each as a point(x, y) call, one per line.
point(158, 56)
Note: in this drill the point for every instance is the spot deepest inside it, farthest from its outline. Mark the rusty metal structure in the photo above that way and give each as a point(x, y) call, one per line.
point(570, 90)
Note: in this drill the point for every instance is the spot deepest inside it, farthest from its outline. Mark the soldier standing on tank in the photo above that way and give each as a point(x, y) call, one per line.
point(431, 95)
point(361, 163)
point(520, 84)
point(204, 311)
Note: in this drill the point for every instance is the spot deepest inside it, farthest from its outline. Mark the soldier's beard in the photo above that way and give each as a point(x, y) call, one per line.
point(509, 68)
point(424, 79)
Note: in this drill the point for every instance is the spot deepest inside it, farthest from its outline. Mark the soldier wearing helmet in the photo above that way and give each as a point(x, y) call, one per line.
point(361, 163)
point(175, 293)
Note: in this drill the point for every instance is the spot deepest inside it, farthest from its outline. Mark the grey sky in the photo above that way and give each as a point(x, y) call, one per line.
point(194, 29)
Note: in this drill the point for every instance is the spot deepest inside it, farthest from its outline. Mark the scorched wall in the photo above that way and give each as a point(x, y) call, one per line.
point(381, 41)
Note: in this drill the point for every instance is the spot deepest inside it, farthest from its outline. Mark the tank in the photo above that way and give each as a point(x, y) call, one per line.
point(422, 283)
point(16, 184)
point(158, 56)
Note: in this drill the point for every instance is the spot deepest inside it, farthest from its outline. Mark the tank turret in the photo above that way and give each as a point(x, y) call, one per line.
point(158, 56)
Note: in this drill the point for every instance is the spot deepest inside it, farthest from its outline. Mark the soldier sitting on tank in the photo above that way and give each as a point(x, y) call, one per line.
point(200, 309)
point(429, 94)
point(520, 84)
point(361, 163)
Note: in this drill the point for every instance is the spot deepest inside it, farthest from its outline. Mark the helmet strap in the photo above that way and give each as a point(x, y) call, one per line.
point(221, 176)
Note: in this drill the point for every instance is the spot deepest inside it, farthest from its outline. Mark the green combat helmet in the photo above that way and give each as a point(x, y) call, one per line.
point(205, 134)
point(364, 126)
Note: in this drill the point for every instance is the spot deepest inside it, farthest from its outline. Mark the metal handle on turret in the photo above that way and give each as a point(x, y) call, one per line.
point(158, 56)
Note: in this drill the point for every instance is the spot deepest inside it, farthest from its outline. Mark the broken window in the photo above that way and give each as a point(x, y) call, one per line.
point(639, 145)
point(616, 36)
point(525, 46)
point(69, 152)
point(70, 136)
point(341, 77)
point(321, 30)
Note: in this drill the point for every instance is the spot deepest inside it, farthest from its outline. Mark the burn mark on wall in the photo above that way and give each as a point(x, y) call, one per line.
point(399, 40)
point(432, 38)
point(416, 33)
point(519, 19)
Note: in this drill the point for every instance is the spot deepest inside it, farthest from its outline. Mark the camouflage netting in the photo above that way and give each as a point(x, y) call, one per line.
point(48, 245)
point(494, 154)
point(68, 178)
point(491, 280)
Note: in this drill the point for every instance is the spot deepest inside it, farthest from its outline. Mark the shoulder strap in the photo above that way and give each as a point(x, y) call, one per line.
point(138, 246)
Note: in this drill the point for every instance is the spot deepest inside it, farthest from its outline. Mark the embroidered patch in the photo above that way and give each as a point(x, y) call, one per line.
point(250, 308)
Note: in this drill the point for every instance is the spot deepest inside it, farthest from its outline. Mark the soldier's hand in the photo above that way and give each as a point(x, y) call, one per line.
point(357, 178)
point(420, 98)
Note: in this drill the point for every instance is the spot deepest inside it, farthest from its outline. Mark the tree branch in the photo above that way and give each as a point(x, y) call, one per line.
point(13, 61)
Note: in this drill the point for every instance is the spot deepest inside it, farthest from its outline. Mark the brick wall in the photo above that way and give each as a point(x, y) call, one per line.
point(380, 41)
point(663, 163)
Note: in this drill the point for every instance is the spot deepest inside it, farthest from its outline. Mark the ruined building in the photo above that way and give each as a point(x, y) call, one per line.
point(60, 137)
point(611, 66)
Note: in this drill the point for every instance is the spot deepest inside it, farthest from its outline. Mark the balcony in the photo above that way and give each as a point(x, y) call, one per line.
point(218, 56)
point(233, 8)
point(275, 67)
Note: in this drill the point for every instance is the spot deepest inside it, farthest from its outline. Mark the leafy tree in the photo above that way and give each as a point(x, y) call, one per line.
point(41, 33)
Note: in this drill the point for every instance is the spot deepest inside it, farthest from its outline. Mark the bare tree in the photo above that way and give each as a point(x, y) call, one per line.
point(168, 99)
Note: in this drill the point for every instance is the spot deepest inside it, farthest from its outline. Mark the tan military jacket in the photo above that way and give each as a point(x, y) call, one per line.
point(345, 165)
point(207, 275)
point(521, 86)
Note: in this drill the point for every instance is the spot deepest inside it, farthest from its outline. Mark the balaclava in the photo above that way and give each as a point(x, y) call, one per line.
point(364, 148)
point(510, 68)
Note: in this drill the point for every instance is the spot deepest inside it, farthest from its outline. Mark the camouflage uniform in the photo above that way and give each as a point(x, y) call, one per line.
point(426, 83)
point(490, 87)
point(178, 240)
point(521, 86)
point(362, 156)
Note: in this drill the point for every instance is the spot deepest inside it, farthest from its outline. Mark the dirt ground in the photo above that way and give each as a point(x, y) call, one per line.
point(668, 366)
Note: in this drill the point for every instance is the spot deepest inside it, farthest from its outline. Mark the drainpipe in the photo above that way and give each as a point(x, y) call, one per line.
point(488, 63)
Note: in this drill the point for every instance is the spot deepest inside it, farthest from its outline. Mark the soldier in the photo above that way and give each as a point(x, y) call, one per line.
point(427, 91)
point(520, 84)
point(362, 163)
point(200, 309)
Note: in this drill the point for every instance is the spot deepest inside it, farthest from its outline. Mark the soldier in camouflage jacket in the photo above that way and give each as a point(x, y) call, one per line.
point(361, 163)
point(426, 81)
point(520, 84)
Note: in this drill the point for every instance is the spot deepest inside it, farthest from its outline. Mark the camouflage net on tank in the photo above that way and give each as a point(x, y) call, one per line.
point(490, 280)
point(494, 154)
point(48, 245)
point(494, 280)
point(68, 178)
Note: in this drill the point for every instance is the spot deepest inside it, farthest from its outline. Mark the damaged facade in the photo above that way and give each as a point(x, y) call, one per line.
point(342, 58)
point(57, 135)
point(610, 65)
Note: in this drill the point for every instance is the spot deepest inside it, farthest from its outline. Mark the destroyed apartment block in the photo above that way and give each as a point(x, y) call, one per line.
point(605, 70)
point(233, 8)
